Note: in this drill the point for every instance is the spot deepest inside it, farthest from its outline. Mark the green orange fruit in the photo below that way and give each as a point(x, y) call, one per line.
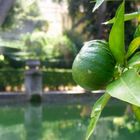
point(93, 67)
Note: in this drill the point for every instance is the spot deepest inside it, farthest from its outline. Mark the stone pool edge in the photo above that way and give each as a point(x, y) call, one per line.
point(50, 97)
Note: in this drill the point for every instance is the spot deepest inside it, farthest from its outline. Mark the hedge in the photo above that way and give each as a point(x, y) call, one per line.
point(52, 78)
point(11, 77)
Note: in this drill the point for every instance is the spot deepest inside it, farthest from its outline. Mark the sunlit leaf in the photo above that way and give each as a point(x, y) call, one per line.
point(133, 46)
point(126, 17)
point(136, 111)
point(98, 3)
point(116, 37)
point(96, 112)
point(1, 57)
point(126, 88)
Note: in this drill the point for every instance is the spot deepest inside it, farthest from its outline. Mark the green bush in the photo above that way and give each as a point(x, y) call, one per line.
point(56, 78)
point(40, 46)
point(58, 63)
point(51, 78)
point(11, 77)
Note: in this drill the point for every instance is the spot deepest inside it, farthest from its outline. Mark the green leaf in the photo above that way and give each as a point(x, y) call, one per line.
point(137, 32)
point(126, 88)
point(116, 37)
point(96, 112)
point(133, 46)
point(134, 62)
point(136, 111)
point(98, 3)
point(126, 17)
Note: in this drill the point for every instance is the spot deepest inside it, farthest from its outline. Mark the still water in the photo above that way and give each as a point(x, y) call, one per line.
point(64, 122)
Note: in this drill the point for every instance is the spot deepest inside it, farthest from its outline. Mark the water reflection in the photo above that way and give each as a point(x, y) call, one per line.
point(33, 122)
point(41, 122)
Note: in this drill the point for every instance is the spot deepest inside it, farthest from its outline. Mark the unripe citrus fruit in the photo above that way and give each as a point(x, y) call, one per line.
point(93, 67)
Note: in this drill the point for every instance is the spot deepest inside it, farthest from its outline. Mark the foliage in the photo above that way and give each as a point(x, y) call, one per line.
point(75, 37)
point(42, 47)
point(53, 52)
point(116, 37)
point(12, 54)
point(84, 21)
point(125, 85)
point(21, 14)
point(99, 3)
point(96, 112)
point(55, 78)
point(64, 48)
point(52, 78)
point(10, 77)
point(20, 11)
point(127, 17)
point(89, 24)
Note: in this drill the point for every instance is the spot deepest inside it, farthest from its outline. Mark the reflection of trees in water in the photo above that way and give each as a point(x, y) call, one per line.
point(63, 123)
point(64, 130)
point(60, 123)
point(115, 128)
point(12, 132)
point(61, 128)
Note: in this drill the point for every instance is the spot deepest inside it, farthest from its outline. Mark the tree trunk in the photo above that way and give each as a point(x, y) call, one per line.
point(5, 6)
point(100, 19)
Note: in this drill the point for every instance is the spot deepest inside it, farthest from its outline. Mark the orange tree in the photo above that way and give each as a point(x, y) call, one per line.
point(107, 64)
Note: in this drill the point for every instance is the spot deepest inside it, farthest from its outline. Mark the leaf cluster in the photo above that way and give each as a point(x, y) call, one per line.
point(125, 85)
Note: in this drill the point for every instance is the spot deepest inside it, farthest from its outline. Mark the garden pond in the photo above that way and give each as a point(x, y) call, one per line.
point(65, 122)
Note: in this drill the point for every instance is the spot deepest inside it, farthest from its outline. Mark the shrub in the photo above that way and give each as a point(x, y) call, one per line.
point(51, 78)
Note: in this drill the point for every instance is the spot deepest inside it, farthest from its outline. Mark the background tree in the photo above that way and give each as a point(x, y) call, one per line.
point(5, 6)
point(89, 22)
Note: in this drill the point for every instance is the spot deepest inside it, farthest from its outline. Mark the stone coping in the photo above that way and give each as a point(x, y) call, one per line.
point(56, 98)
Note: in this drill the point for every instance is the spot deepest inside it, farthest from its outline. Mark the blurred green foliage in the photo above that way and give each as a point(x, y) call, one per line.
point(89, 24)
point(21, 11)
point(11, 77)
point(42, 47)
point(55, 78)
point(75, 37)
point(52, 78)
point(60, 51)
point(52, 52)
point(55, 52)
